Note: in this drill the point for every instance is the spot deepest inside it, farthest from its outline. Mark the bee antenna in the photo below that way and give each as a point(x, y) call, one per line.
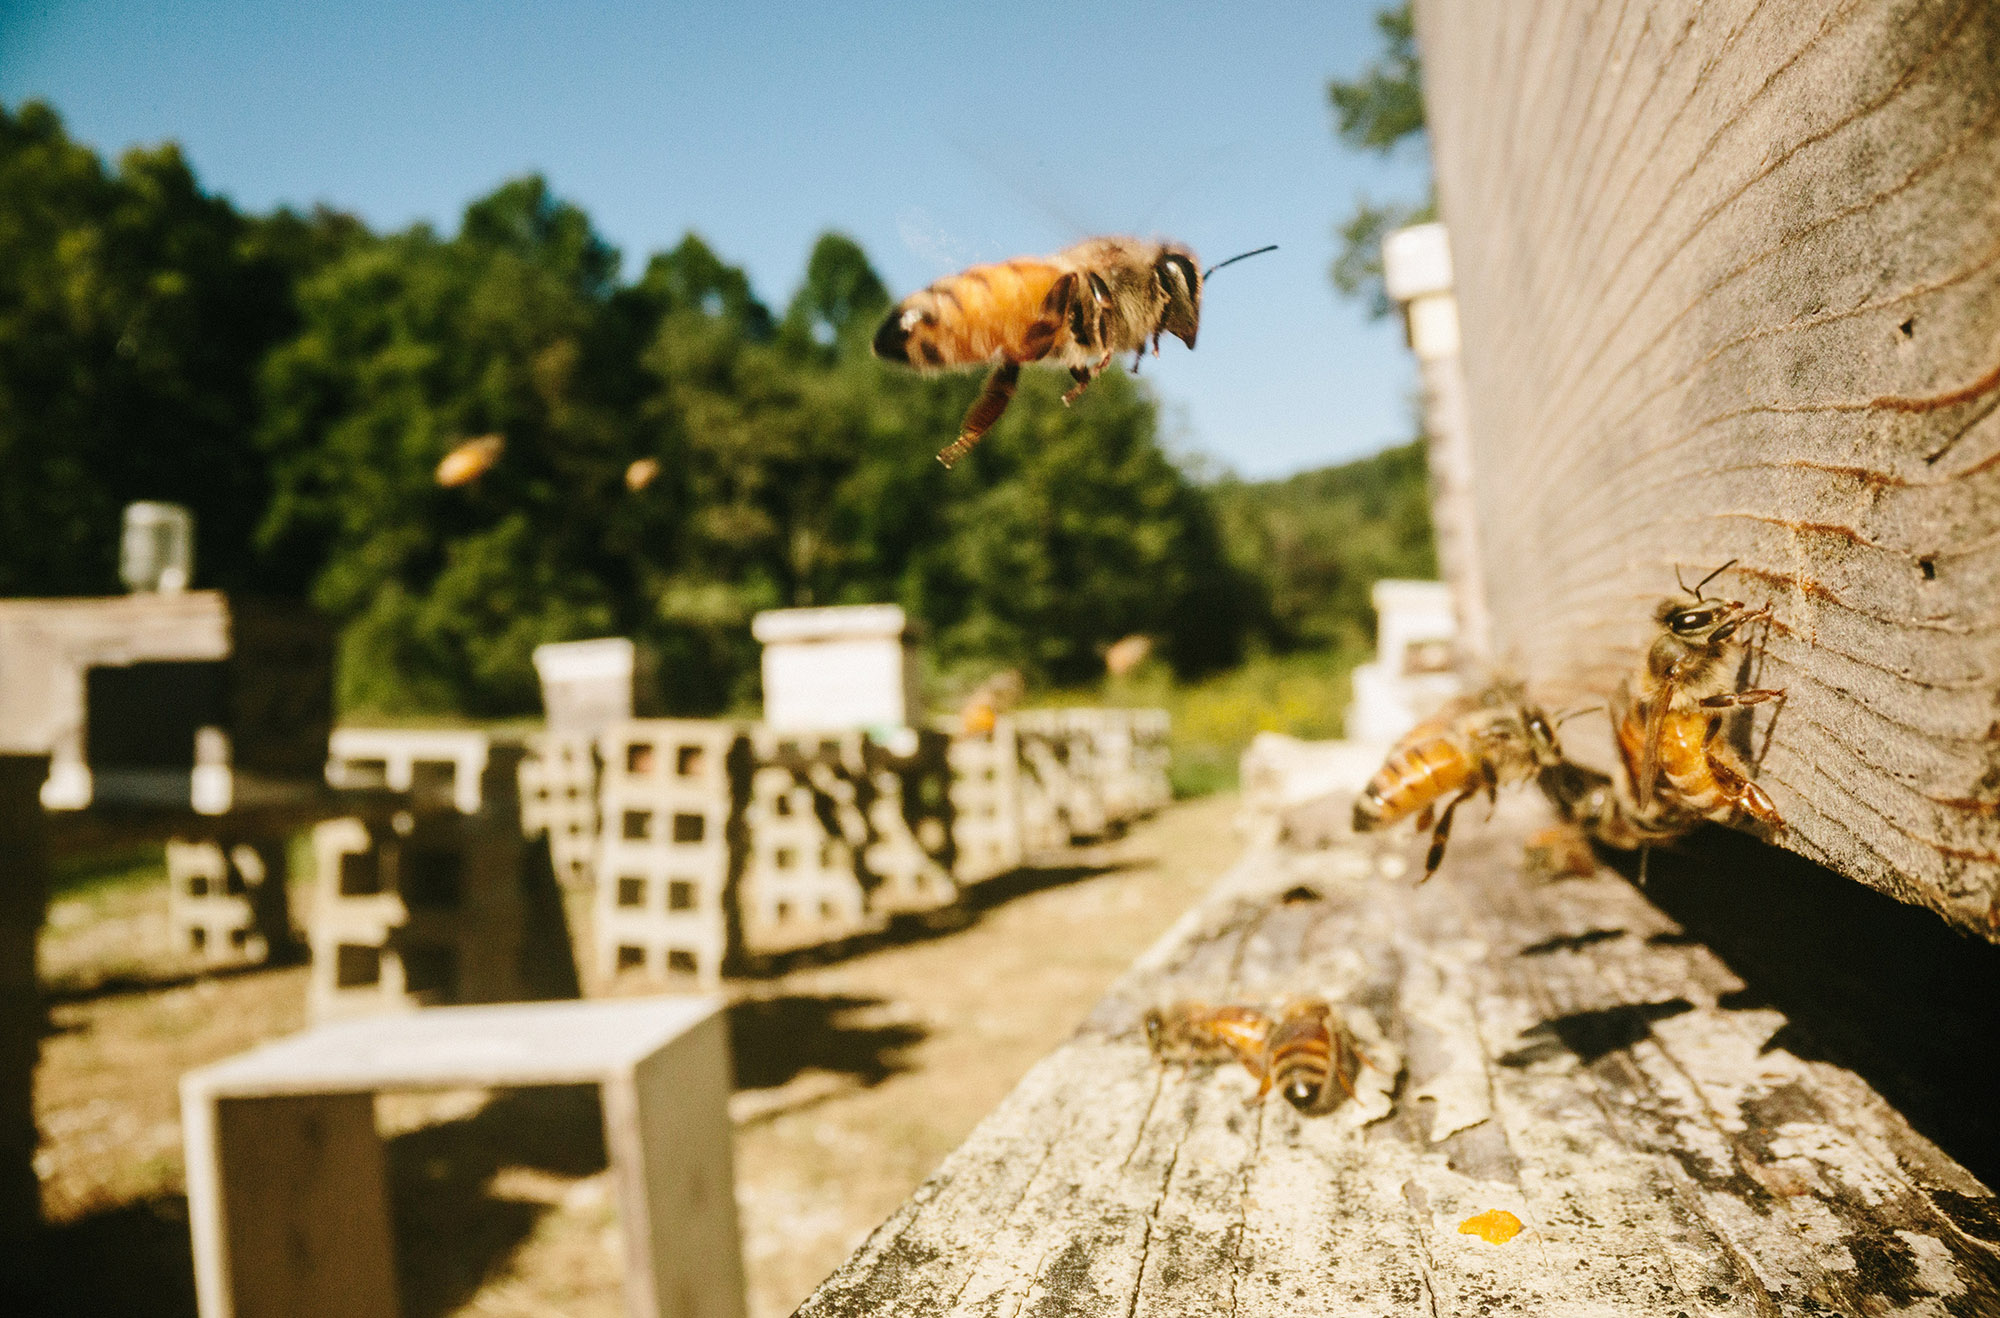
point(1712, 576)
point(1240, 256)
point(1577, 713)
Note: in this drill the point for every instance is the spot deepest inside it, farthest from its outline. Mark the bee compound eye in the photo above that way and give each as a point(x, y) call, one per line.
point(1300, 1094)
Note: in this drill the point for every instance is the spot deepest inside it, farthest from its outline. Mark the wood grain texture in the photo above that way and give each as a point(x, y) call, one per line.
point(1561, 1052)
point(1729, 283)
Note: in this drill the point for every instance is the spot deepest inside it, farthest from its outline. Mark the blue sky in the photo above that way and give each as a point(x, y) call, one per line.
point(935, 135)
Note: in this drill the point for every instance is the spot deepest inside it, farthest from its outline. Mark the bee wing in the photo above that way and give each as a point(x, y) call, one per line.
point(1652, 714)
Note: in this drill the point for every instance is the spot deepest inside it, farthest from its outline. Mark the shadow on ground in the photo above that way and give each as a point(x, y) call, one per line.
point(132, 1261)
point(906, 929)
point(774, 1039)
point(451, 1230)
point(1886, 990)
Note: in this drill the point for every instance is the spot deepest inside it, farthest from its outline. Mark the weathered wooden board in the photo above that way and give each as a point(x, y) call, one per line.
point(1562, 1051)
point(1729, 284)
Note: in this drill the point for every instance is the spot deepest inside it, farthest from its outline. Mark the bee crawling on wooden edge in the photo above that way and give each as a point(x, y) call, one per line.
point(1667, 737)
point(1301, 1047)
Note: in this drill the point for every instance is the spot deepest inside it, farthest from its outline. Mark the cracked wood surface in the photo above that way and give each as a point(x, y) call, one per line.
point(1728, 274)
point(1562, 1051)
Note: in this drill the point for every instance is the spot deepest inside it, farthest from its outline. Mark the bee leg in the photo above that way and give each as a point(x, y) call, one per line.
point(1138, 360)
point(1426, 817)
point(986, 410)
point(1083, 375)
point(1442, 834)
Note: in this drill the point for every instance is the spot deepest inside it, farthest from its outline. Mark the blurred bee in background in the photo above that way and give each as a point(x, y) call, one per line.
point(641, 473)
point(1077, 309)
point(1493, 740)
point(1667, 737)
point(470, 460)
point(981, 712)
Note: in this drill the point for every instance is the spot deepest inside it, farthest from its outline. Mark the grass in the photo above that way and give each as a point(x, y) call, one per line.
point(1303, 694)
point(101, 873)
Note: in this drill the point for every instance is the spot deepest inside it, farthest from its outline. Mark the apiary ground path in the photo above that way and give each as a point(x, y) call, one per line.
point(1561, 1051)
point(857, 1076)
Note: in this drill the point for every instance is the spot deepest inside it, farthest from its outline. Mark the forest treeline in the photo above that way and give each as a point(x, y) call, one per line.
point(296, 378)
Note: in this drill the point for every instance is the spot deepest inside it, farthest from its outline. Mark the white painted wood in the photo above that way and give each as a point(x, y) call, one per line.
point(286, 1194)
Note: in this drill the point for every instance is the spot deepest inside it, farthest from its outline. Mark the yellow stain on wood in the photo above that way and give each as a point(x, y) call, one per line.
point(1496, 1226)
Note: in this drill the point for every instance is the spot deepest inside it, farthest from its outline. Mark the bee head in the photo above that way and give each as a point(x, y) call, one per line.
point(1156, 1024)
point(1704, 622)
point(1179, 280)
point(1541, 737)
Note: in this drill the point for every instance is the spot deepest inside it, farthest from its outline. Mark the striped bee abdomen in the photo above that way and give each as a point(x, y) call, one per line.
point(1306, 1059)
point(1416, 774)
point(989, 313)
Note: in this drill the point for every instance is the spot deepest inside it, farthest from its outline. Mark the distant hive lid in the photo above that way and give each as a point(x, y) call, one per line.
point(609, 659)
point(845, 622)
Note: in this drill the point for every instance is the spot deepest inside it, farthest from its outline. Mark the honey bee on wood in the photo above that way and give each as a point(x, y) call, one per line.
point(1667, 737)
point(1075, 309)
point(1300, 1048)
point(1194, 1032)
point(1497, 739)
point(1308, 1055)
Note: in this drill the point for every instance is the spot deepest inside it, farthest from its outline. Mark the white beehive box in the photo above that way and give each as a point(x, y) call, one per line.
point(833, 669)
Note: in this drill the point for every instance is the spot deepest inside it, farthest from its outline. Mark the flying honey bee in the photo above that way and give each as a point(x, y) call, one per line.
point(641, 473)
point(1667, 737)
point(1077, 309)
point(470, 460)
point(1301, 1048)
point(1493, 740)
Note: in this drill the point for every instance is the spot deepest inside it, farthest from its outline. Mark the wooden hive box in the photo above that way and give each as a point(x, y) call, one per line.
point(1728, 282)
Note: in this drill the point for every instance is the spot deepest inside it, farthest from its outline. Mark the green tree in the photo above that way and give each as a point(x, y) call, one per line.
point(1380, 111)
point(134, 313)
point(412, 344)
point(1322, 538)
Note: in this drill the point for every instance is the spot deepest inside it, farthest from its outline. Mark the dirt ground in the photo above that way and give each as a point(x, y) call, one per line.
point(856, 1074)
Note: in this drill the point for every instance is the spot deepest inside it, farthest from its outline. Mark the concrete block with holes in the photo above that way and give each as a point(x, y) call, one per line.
point(416, 909)
point(986, 822)
point(801, 883)
point(669, 849)
point(903, 788)
point(466, 770)
point(558, 786)
point(227, 899)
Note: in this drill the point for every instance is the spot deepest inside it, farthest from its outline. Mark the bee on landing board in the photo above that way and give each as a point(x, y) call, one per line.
point(1300, 1048)
point(1076, 309)
point(1667, 737)
point(1193, 1032)
point(1493, 740)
